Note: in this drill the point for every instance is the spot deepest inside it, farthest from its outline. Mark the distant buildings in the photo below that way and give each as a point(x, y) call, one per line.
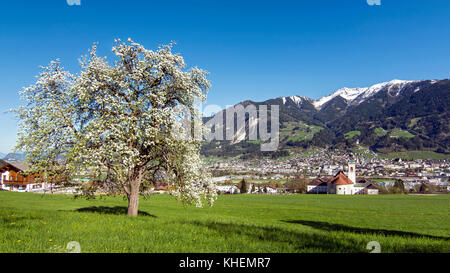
point(262, 189)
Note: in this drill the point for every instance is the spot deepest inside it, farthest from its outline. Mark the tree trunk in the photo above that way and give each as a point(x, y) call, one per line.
point(133, 199)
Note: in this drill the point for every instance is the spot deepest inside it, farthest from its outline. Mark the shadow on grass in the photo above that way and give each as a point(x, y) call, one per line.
point(299, 241)
point(307, 241)
point(324, 226)
point(117, 210)
point(16, 222)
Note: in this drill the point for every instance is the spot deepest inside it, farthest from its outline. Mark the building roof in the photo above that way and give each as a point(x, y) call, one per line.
point(20, 166)
point(322, 182)
point(17, 166)
point(340, 179)
point(3, 163)
point(366, 185)
point(161, 187)
point(363, 180)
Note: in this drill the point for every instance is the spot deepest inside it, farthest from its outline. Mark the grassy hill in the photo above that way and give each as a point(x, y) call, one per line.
point(413, 155)
point(352, 134)
point(239, 223)
point(396, 133)
point(298, 131)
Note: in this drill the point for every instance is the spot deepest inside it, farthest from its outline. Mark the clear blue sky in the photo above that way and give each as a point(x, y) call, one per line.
point(253, 49)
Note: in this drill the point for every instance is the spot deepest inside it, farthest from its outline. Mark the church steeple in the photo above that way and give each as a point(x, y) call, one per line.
point(351, 174)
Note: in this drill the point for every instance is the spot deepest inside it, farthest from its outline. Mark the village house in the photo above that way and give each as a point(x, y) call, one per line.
point(227, 189)
point(12, 178)
point(318, 185)
point(160, 188)
point(270, 190)
point(262, 189)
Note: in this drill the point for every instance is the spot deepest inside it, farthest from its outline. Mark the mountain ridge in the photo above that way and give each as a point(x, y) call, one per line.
point(416, 110)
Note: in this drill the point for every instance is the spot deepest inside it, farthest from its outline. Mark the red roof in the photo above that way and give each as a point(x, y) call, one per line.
point(161, 187)
point(340, 179)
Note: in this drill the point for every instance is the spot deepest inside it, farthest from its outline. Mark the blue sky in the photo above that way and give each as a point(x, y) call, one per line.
point(253, 49)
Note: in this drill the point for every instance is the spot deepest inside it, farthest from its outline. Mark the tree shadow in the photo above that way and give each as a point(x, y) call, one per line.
point(299, 241)
point(16, 222)
point(306, 241)
point(339, 227)
point(117, 210)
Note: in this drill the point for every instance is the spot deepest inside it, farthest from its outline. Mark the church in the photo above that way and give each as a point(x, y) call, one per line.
point(342, 184)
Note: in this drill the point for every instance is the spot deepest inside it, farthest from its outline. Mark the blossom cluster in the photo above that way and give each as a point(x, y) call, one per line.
point(118, 119)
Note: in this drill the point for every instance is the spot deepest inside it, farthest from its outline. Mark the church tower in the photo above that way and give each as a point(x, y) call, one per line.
point(352, 171)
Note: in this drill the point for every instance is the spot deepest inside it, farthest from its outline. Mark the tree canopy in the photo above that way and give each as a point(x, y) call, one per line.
point(118, 119)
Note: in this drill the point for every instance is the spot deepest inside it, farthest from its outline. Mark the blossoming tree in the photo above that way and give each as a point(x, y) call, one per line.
point(118, 119)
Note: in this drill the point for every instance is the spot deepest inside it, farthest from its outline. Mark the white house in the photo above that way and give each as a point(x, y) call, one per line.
point(318, 185)
point(271, 190)
point(230, 189)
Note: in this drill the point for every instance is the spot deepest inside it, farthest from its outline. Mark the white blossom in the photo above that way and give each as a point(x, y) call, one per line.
point(118, 119)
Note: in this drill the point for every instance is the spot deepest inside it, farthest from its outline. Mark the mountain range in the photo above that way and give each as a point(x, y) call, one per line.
point(390, 116)
point(13, 157)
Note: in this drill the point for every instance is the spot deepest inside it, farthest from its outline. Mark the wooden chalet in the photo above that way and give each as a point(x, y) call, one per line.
point(13, 177)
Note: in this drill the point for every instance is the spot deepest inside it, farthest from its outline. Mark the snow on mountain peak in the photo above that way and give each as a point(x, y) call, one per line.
point(359, 94)
point(296, 99)
point(347, 93)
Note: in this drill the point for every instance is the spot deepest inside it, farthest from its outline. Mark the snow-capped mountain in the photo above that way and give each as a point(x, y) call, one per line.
point(298, 100)
point(355, 96)
point(377, 113)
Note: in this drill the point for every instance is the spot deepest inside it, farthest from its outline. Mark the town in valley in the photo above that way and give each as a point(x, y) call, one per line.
point(319, 172)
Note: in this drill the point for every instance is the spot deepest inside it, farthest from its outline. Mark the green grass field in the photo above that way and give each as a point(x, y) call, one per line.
point(297, 131)
point(352, 134)
point(380, 132)
point(396, 133)
point(237, 223)
point(414, 155)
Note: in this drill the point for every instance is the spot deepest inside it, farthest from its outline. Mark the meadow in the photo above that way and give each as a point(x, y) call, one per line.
point(414, 155)
point(237, 223)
